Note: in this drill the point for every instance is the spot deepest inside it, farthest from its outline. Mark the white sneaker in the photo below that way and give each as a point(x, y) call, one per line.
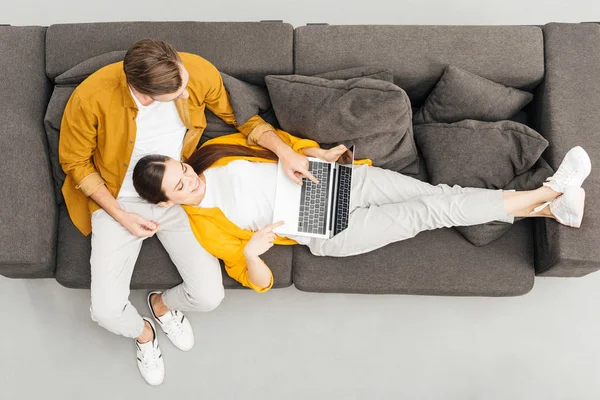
point(567, 208)
point(176, 326)
point(573, 170)
point(149, 359)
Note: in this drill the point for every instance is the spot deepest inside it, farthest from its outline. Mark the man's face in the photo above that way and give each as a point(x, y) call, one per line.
point(182, 93)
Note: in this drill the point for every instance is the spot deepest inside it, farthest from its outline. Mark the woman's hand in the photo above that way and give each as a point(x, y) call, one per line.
point(261, 241)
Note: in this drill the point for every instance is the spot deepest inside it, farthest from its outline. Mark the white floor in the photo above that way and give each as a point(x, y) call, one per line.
point(293, 345)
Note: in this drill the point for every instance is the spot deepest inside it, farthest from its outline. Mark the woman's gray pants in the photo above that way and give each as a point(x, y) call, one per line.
point(387, 207)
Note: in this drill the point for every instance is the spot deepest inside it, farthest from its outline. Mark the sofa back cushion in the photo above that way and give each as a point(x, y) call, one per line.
point(509, 55)
point(247, 50)
point(74, 51)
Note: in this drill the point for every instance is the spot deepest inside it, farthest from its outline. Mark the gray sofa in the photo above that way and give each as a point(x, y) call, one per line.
point(559, 63)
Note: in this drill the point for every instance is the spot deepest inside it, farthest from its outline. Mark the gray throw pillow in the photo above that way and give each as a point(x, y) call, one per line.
point(491, 155)
point(247, 100)
point(478, 154)
point(462, 95)
point(373, 114)
point(52, 119)
point(78, 73)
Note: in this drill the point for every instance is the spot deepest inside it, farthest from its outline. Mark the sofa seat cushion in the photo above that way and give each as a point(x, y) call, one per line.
point(437, 262)
point(153, 270)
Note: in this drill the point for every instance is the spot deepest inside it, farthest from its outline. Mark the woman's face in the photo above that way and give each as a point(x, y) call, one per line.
point(181, 184)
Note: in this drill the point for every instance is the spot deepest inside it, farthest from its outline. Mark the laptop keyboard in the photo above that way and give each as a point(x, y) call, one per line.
point(343, 199)
point(313, 200)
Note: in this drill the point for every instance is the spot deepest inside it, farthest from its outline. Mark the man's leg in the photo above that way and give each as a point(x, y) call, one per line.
point(202, 287)
point(114, 253)
point(370, 228)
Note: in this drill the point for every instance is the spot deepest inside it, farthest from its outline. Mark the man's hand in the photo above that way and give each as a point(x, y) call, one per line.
point(261, 241)
point(332, 154)
point(137, 225)
point(295, 166)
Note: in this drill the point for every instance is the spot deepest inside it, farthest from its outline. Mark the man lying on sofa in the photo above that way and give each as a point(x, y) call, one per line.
point(152, 102)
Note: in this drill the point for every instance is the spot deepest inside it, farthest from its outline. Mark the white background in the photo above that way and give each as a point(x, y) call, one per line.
point(293, 345)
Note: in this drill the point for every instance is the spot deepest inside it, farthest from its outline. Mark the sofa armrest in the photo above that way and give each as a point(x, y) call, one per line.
point(568, 114)
point(28, 211)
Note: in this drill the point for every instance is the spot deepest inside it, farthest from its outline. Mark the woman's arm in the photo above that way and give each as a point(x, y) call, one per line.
point(258, 272)
point(262, 240)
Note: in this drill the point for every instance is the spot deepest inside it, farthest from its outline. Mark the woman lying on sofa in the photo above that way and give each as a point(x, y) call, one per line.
point(228, 190)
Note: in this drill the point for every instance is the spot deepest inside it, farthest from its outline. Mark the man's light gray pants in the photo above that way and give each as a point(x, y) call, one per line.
point(387, 207)
point(115, 251)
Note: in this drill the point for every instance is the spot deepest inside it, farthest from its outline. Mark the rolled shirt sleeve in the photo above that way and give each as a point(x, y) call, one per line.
point(77, 143)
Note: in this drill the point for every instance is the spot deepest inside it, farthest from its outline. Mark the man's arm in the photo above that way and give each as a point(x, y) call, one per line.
point(256, 129)
point(77, 143)
point(134, 223)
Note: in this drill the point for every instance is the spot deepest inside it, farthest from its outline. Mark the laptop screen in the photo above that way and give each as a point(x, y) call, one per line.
point(347, 158)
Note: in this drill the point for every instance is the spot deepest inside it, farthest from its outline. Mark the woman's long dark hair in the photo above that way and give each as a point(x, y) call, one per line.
point(150, 170)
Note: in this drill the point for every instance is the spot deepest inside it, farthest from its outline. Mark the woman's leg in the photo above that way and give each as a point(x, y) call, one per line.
point(373, 227)
point(378, 186)
point(523, 204)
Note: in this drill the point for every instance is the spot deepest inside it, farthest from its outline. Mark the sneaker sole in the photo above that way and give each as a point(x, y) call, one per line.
point(584, 158)
point(574, 219)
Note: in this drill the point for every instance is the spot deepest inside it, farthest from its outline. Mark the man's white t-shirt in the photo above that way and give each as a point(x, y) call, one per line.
point(245, 193)
point(159, 131)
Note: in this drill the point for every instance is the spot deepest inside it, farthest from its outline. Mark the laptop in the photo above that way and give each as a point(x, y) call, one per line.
point(319, 211)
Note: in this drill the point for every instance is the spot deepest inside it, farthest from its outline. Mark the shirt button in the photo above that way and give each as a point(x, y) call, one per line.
point(124, 165)
point(131, 142)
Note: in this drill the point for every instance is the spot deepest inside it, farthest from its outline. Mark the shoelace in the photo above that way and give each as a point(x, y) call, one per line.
point(540, 208)
point(173, 327)
point(557, 177)
point(150, 356)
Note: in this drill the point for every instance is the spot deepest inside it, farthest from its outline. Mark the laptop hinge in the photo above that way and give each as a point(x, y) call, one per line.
point(334, 191)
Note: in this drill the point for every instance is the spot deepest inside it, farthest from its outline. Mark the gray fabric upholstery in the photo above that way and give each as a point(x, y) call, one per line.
point(483, 234)
point(153, 270)
point(438, 262)
point(568, 105)
point(248, 50)
point(52, 120)
point(510, 55)
point(460, 95)
point(246, 100)
point(478, 154)
point(372, 114)
point(81, 71)
point(367, 71)
point(27, 206)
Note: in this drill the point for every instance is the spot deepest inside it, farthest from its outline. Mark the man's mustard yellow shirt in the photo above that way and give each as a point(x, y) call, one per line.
point(98, 130)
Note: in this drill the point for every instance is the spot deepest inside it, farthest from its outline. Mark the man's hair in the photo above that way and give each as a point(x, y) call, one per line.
point(152, 67)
